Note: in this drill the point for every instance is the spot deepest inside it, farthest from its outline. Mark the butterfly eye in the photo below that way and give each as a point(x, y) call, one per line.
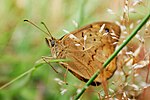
point(52, 43)
point(106, 30)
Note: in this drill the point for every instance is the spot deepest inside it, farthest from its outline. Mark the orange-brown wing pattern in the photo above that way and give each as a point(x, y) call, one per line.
point(89, 47)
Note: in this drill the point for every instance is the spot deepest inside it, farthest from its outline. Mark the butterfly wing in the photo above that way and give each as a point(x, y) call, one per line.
point(89, 47)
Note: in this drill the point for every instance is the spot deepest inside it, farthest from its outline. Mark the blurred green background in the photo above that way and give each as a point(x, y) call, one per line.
point(21, 44)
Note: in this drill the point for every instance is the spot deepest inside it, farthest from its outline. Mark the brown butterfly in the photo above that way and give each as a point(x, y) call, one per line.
point(88, 48)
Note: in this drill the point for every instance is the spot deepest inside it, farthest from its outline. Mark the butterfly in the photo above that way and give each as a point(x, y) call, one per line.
point(88, 48)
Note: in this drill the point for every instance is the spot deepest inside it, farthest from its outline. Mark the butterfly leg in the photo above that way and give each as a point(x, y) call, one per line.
point(65, 75)
point(105, 86)
point(47, 59)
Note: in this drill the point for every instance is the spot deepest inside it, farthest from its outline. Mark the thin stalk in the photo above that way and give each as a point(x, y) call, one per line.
point(15, 79)
point(134, 32)
point(37, 64)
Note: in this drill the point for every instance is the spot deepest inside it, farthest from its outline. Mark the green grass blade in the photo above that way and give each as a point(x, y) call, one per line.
point(15, 79)
point(31, 71)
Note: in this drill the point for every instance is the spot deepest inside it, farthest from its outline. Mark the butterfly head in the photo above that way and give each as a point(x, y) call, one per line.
point(52, 44)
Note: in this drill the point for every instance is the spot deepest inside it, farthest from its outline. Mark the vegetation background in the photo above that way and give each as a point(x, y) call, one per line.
point(21, 44)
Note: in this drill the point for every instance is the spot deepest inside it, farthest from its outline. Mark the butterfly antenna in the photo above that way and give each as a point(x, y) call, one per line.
point(47, 30)
point(37, 27)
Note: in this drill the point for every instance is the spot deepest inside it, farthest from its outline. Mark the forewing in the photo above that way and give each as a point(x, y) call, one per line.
point(89, 47)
